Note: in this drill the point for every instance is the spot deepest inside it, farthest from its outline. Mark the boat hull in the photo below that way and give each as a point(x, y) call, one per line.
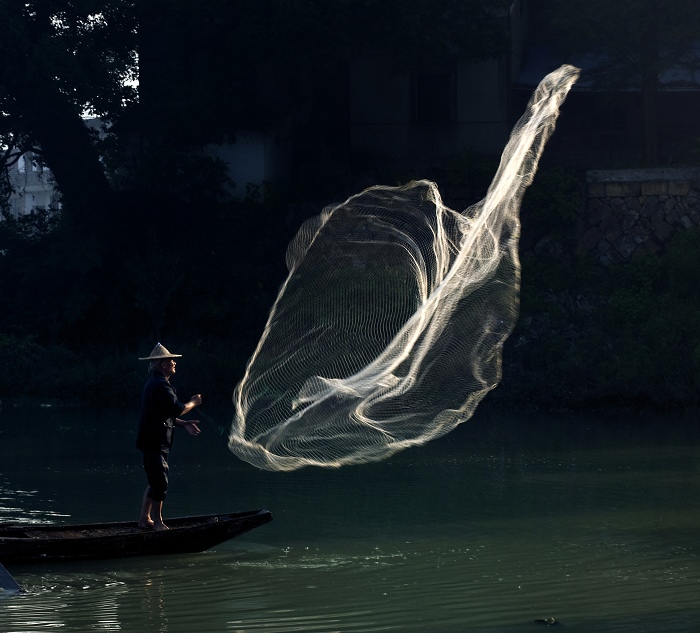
point(32, 543)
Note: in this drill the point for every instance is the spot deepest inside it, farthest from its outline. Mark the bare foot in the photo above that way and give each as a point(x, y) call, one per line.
point(146, 525)
point(159, 527)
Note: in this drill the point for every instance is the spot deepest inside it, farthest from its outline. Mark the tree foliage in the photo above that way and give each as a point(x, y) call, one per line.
point(61, 57)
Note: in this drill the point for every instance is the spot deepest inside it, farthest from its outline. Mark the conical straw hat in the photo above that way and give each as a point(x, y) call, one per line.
point(160, 352)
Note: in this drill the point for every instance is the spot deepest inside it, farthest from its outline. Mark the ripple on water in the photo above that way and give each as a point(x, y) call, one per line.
point(443, 584)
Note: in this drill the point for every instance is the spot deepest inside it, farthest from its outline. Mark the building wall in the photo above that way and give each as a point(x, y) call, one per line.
point(636, 211)
point(251, 161)
point(33, 186)
point(482, 107)
point(379, 109)
point(384, 126)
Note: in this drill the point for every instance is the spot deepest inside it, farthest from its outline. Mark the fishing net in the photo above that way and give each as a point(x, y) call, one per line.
point(388, 330)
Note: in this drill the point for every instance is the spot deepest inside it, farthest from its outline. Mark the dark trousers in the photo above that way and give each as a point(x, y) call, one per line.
point(156, 466)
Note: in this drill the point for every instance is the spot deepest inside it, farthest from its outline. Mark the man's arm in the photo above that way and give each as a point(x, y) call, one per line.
point(190, 425)
point(195, 401)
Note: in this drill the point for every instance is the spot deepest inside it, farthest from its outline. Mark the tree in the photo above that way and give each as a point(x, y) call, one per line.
point(60, 59)
point(636, 42)
point(206, 71)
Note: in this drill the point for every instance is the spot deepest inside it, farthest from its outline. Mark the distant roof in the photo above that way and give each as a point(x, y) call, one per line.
point(541, 60)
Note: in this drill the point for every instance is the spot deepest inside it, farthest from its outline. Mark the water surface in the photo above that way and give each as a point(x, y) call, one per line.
point(510, 519)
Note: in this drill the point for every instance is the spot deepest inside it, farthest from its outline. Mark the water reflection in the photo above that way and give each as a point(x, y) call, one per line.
point(501, 523)
point(13, 507)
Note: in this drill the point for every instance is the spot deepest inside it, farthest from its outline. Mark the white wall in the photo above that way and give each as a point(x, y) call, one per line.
point(253, 159)
point(33, 186)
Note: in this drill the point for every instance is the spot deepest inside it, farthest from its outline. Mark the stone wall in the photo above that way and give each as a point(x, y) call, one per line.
point(636, 211)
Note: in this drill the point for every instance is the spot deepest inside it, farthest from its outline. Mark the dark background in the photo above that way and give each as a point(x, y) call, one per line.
point(148, 246)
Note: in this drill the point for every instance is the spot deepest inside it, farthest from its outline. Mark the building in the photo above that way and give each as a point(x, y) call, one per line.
point(609, 118)
point(419, 119)
point(32, 186)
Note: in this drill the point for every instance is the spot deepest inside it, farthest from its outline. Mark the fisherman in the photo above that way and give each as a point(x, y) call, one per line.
point(161, 411)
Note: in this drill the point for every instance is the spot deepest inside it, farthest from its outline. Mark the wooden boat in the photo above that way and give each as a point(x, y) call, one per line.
point(43, 543)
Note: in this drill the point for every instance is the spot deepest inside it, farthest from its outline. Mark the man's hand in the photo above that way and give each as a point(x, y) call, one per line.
point(196, 400)
point(191, 427)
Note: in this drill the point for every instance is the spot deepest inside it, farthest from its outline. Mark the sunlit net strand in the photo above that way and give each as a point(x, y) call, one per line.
point(336, 382)
point(388, 329)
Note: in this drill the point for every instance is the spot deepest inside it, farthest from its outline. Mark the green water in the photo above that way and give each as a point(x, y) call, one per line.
point(592, 521)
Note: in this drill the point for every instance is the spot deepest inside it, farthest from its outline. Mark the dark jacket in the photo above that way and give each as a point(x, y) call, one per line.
point(159, 408)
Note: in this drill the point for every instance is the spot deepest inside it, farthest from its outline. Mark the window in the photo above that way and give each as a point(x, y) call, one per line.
point(432, 97)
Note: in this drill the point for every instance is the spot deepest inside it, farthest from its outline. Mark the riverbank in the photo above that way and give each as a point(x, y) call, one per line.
point(550, 363)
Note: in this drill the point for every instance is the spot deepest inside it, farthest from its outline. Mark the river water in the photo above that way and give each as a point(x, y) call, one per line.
point(591, 520)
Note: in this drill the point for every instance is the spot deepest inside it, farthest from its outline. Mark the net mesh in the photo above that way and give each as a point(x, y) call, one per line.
point(388, 330)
